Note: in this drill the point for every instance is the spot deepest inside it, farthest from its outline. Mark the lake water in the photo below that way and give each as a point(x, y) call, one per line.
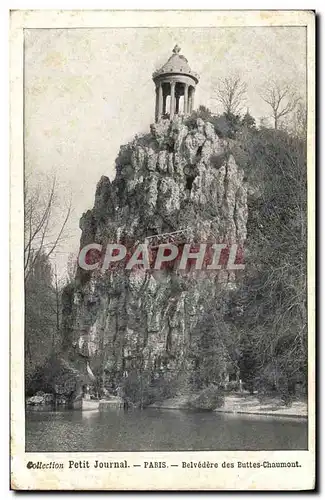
point(160, 430)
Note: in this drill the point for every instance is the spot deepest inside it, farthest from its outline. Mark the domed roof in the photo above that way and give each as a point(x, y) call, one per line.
point(176, 64)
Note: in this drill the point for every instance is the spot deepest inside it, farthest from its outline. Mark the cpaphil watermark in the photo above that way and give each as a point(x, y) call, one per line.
point(183, 257)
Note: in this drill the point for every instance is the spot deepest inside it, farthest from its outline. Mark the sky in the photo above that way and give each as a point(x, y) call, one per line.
point(88, 91)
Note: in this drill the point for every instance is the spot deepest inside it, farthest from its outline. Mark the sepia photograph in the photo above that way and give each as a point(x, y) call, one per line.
point(166, 244)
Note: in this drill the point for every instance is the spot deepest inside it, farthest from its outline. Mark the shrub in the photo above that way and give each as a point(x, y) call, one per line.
point(208, 399)
point(232, 386)
point(201, 112)
point(226, 125)
point(142, 389)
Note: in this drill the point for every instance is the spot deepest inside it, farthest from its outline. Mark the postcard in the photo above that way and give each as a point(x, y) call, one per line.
point(162, 250)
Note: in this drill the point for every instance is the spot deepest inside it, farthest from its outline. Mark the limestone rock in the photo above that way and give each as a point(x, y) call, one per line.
point(175, 177)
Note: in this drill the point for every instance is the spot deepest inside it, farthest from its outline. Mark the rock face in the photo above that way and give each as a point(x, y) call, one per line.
point(177, 176)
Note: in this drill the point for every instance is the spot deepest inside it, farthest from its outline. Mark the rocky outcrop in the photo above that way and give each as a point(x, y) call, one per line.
point(175, 177)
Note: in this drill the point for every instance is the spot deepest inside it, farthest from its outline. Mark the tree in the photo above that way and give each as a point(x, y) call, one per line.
point(201, 112)
point(227, 125)
point(298, 123)
point(231, 93)
point(282, 99)
point(215, 341)
point(72, 266)
point(40, 222)
point(274, 323)
point(42, 287)
point(265, 122)
point(40, 315)
point(209, 353)
point(248, 121)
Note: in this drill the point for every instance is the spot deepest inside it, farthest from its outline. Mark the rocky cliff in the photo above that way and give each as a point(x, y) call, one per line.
point(179, 176)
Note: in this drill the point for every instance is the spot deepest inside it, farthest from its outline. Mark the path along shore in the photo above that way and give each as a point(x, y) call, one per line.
point(245, 404)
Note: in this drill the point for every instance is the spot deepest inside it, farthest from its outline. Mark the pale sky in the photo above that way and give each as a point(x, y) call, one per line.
point(88, 91)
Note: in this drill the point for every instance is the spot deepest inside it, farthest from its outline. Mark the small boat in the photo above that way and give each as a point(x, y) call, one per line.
point(86, 404)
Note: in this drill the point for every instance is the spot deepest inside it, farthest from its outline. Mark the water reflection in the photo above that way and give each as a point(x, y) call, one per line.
point(160, 430)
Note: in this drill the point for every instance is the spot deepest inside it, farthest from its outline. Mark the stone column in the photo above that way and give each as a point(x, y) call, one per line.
point(160, 101)
point(177, 104)
point(157, 104)
point(172, 100)
point(192, 99)
point(185, 98)
point(164, 104)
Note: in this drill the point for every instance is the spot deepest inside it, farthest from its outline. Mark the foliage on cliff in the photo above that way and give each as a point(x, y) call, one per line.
point(273, 294)
point(269, 309)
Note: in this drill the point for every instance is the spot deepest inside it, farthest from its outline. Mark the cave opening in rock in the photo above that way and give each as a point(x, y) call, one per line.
point(189, 181)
